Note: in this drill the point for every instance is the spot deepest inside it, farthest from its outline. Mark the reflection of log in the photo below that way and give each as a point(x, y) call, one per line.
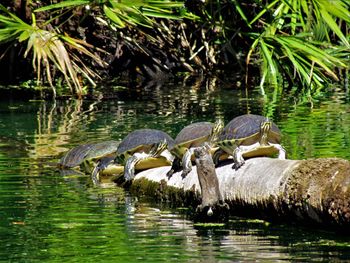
point(310, 191)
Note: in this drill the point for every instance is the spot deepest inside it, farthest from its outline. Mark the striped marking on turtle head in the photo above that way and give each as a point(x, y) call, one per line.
point(265, 128)
point(226, 143)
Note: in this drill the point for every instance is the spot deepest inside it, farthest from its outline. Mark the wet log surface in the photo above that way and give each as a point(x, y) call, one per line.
point(315, 191)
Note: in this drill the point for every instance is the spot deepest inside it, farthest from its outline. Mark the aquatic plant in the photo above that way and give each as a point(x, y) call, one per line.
point(301, 40)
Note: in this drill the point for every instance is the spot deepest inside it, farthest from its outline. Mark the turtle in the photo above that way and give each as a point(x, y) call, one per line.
point(143, 149)
point(75, 156)
point(248, 136)
point(192, 136)
point(91, 157)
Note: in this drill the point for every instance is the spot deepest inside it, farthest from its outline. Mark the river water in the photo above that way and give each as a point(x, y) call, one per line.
point(49, 217)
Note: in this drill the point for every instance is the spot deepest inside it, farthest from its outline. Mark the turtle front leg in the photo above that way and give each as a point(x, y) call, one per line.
point(100, 166)
point(155, 152)
point(95, 176)
point(186, 159)
point(175, 167)
point(186, 162)
point(281, 151)
point(129, 172)
point(237, 158)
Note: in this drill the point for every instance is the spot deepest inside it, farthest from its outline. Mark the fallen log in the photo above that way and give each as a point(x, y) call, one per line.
point(315, 191)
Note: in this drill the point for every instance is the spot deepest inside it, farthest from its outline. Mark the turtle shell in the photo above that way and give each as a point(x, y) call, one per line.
point(247, 127)
point(81, 153)
point(194, 134)
point(102, 149)
point(75, 156)
point(142, 140)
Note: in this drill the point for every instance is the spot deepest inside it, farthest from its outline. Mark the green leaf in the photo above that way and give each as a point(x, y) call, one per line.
point(63, 4)
point(333, 25)
point(241, 12)
point(337, 8)
point(269, 60)
point(23, 36)
point(293, 21)
point(113, 17)
point(262, 12)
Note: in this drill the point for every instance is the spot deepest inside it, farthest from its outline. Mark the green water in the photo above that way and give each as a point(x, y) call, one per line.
point(49, 217)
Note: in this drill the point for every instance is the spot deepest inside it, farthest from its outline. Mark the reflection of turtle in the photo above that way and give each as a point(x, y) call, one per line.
point(190, 137)
point(144, 149)
point(249, 136)
point(91, 157)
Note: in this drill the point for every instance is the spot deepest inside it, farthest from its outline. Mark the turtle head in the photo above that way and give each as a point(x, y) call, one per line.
point(265, 128)
point(158, 148)
point(217, 128)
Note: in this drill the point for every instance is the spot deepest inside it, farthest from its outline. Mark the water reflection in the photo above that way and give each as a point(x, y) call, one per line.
point(319, 131)
point(48, 216)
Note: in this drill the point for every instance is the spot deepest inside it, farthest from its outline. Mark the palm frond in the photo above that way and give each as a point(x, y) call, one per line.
point(311, 62)
point(296, 39)
point(48, 50)
point(130, 12)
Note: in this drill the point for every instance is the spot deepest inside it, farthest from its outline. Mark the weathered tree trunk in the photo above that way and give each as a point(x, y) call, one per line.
point(213, 206)
point(313, 191)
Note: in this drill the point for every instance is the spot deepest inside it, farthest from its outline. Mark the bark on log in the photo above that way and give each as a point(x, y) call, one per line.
point(313, 191)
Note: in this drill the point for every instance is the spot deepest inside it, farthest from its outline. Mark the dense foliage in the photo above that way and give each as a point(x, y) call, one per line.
point(297, 42)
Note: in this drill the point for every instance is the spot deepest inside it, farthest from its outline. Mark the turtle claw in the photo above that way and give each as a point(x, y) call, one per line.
point(237, 165)
point(170, 173)
point(185, 172)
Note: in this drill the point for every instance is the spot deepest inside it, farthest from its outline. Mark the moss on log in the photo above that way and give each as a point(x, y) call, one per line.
point(313, 191)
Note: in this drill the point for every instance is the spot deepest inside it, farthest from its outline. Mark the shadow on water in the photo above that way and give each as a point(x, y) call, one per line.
point(50, 216)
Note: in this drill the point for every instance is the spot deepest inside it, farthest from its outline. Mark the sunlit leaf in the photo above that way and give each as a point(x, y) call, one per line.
point(241, 12)
point(63, 4)
point(262, 12)
point(48, 51)
point(23, 36)
point(333, 25)
point(113, 17)
point(269, 59)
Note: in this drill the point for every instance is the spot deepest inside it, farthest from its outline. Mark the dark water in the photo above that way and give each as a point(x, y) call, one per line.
point(48, 217)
